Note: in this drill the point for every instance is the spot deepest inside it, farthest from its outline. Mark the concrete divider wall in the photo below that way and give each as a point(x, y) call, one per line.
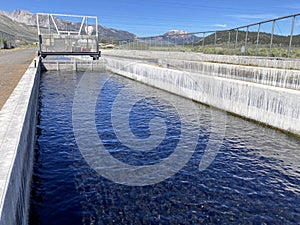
point(17, 140)
point(260, 75)
point(283, 63)
point(278, 77)
point(274, 106)
point(74, 65)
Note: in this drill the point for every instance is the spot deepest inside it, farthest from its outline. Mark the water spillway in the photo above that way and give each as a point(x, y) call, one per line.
point(267, 62)
point(266, 95)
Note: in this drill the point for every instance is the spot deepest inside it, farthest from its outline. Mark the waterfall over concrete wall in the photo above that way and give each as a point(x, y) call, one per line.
point(251, 92)
point(269, 62)
point(260, 75)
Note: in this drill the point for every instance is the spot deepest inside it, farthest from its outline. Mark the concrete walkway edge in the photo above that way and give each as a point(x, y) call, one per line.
point(17, 139)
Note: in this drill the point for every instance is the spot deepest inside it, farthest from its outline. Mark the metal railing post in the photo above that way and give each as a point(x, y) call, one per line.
point(236, 38)
point(257, 40)
point(193, 43)
point(272, 36)
point(203, 40)
point(229, 37)
point(215, 42)
point(246, 40)
point(291, 37)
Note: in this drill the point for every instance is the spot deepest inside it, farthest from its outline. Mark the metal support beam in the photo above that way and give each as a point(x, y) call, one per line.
point(81, 26)
point(257, 40)
point(272, 36)
point(246, 40)
point(229, 37)
point(54, 24)
point(291, 37)
point(215, 42)
point(236, 38)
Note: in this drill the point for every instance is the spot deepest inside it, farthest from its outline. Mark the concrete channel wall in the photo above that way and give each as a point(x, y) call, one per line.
point(267, 100)
point(74, 65)
point(269, 62)
point(17, 140)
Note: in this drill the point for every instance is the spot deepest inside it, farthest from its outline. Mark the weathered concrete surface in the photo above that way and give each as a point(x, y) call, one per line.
point(275, 106)
point(74, 64)
point(276, 77)
point(282, 63)
point(13, 64)
point(17, 140)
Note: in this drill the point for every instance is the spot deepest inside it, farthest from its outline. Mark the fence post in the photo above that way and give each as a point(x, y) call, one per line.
point(215, 42)
point(246, 40)
point(291, 37)
point(257, 40)
point(203, 39)
point(236, 38)
point(229, 37)
point(193, 43)
point(272, 36)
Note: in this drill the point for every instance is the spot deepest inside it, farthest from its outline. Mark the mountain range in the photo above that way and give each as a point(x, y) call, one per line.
point(173, 37)
point(22, 24)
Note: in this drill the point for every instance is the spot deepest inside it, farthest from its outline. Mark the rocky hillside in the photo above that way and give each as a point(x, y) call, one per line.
point(21, 16)
point(264, 38)
point(110, 34)
point(173, 37)
point(22, 24)
point(180, 36)
point(20, 31)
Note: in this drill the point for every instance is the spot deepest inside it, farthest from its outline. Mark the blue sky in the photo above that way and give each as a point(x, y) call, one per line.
point(148, 18)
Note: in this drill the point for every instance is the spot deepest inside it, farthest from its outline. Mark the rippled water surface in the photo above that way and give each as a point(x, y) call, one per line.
point(253, 177)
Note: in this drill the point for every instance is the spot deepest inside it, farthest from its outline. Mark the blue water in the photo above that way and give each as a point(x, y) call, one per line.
point(254, 177)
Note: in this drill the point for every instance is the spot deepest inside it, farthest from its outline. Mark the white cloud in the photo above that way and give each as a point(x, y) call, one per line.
point(253, 16)
point(220, 25)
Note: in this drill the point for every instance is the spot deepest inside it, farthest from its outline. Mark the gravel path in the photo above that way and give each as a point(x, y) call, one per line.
point(13, 64)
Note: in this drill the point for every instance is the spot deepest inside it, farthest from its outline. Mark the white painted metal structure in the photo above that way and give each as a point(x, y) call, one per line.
point(63, 34)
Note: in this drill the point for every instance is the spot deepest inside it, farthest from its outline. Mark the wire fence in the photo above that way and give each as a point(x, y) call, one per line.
point(278, 37)
point(7, 40)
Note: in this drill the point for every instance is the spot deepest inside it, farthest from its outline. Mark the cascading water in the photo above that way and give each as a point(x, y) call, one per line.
point(285, 78)
point(267, 76)
point(275, 106)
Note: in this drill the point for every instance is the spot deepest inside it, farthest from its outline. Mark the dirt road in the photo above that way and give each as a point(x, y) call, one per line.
point(13, 64)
